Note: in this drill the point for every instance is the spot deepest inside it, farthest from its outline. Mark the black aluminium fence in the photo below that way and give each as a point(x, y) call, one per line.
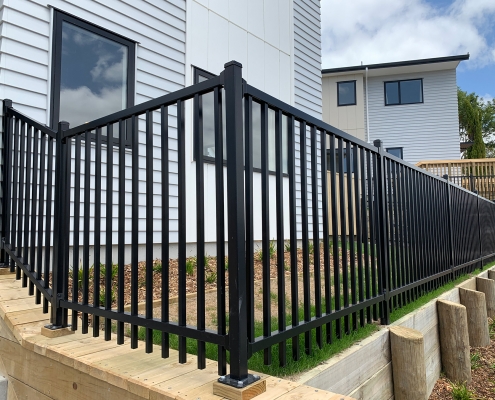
point(358, 231)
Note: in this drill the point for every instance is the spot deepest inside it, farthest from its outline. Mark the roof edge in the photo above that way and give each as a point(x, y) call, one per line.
point(461, 57)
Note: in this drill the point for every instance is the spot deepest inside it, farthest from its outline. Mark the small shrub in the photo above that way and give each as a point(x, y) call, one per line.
point(190, 267)
point(311, 247)
point(113, 274)
point(206, 260)
point(211, 278)
point(286, 266)
point(475, 360)
point(259, 255)
point(157, 267)
point(461, 392)
point(102, 296)
point(271, 249)
point(287, 247)
point(226, 264)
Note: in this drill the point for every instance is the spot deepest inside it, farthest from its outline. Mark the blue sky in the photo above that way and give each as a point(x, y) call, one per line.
point(376, 31)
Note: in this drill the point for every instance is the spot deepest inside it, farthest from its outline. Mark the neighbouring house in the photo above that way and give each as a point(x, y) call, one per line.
point(410, 105)
point(80, 60)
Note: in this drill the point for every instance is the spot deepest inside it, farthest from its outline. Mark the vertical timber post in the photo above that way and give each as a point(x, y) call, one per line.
point(58, 318)
point(238, 334)
point(451, 241)
point(383, 232)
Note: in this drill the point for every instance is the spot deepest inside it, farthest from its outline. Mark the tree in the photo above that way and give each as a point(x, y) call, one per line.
point(477, 124)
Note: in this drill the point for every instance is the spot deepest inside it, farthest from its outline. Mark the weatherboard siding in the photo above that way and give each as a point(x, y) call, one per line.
point(307, 56)
point(427, 131)
point(158, 27)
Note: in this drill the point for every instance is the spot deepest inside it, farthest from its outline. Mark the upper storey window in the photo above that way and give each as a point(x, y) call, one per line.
point(346, 93)
point(92, 72)
point(404, 92)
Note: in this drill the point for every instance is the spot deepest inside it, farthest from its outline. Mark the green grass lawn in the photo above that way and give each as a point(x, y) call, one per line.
point(318, 355)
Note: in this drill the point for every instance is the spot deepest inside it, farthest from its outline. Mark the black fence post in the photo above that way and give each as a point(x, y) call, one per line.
point(238, 329)
point(451, 240)
point(479, 226)
point(383, 251)
point(58, 318)
point(5, 174)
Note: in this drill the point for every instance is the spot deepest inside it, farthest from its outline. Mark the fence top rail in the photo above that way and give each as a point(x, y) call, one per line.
point(446, 162)
point(35, 124)
point(299, 115)
point(151, 105)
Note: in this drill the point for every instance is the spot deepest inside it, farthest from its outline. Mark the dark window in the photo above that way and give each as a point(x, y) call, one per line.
point(396, 151)
point(337, 161)
point(404, 92)
point(208, 128)
point(346, 93)
point(92, 71)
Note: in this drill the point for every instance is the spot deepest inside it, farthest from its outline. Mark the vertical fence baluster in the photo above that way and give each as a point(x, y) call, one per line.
point(343, 230)
point(335, 233)
point(359, 231)
point(265, 228)
point(181, 148)
point(365, 177)
point(97, 234)
point(135, 228)
point(383, 250)
point(77, 214)
point(279, 196)
point(41, 204)
point(316, 232)
point(109, 271)
point(34, 199)
point(294, 287)
point(48, 225)
point(165, 228)
point(248, 157)
point(389, 179)
point(86, 233)
point(121, 231)
point(305, 234)
point(325, 231)
point(350, 213)
point(27, 200)
point(20, 197)
point(371, 173)
point(200, 228)
point(220, 211)
point(149, 231)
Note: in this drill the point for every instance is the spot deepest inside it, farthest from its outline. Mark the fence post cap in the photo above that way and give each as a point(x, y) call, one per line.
point(7, 102)
point(233, 62)
point(446, 177)
point(377, 143)
point(63, 125)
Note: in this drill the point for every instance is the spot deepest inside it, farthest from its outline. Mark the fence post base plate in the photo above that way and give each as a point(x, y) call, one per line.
point(233, 389)
point(51, 331)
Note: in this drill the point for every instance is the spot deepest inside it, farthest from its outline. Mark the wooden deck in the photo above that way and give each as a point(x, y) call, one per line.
point(79, 366)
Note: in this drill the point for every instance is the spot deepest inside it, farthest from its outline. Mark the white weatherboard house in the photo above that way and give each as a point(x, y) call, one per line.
point(410, 105)
point(78, 60)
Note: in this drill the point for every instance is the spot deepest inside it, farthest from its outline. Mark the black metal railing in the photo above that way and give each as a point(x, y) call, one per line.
point(357, 232)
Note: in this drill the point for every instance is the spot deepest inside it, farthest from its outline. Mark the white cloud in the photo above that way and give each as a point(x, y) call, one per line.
point(486, 98)
point(81, 105)
point(394, 30)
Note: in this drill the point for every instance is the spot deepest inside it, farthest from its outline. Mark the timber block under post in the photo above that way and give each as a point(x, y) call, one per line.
point(491, 274)
point(52, 333)
point(246, 393)
point(454, 341)
point(408, 363)
point(474, 301)
point(487, 286)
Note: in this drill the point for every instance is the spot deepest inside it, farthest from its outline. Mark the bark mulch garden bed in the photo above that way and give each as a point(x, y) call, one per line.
point(483, 376)
point(191, 280)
